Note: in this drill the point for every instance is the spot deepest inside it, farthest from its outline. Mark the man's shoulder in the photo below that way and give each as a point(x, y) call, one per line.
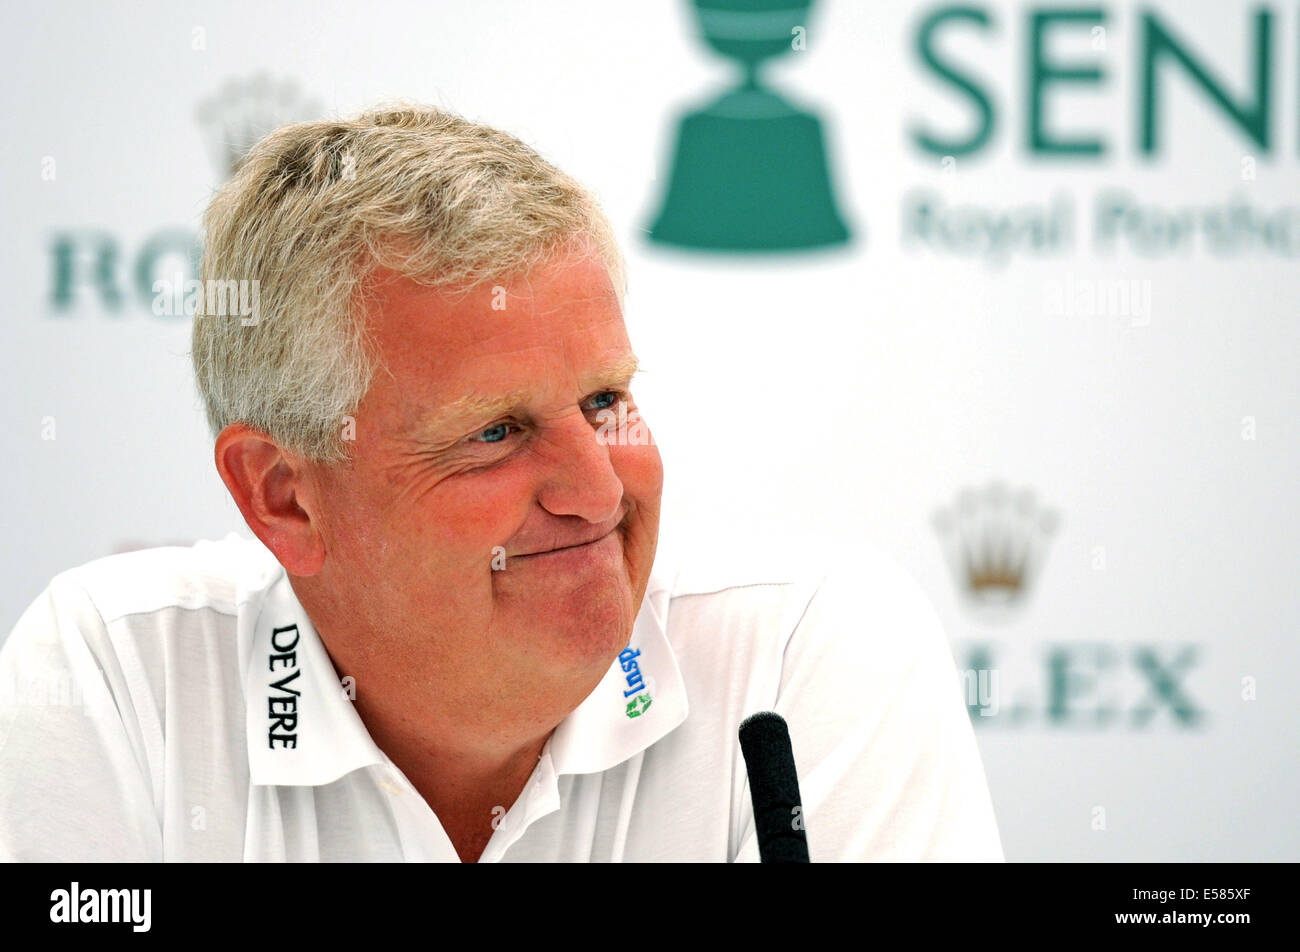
point(855, 607)
point(862, 573)
point(721, 572)
point(213, 574)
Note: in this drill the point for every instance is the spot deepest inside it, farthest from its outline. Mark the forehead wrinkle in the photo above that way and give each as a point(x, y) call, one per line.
point(476, 405)
point(597, 298)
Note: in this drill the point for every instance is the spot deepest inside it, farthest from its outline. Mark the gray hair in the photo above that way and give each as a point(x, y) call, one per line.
point(316, 206)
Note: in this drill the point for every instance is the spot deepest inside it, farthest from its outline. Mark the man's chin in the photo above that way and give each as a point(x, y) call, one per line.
point(584, 630)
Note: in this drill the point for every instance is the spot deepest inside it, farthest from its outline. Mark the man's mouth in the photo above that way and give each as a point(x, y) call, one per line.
point(576, 548)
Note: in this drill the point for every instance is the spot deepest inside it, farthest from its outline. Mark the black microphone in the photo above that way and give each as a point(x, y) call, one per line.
point(774, 788)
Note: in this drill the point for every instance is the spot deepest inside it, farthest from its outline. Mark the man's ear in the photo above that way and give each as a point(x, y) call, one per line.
point(271, 488)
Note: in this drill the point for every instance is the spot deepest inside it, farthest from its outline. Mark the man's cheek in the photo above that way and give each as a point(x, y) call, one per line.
point(463, 539)
point(641, 469)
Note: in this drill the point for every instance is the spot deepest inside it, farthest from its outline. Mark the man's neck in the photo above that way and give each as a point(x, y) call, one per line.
point(468, 786)
point(468, 744)
point(469, 755)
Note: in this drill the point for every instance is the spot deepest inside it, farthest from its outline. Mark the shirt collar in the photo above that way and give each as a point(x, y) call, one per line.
point(641, 698)
point(303, 730)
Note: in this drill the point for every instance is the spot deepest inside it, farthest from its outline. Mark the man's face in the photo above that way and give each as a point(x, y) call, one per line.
point(455, 532)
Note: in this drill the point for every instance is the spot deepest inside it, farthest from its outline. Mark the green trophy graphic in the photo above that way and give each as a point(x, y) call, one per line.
point(749, 171)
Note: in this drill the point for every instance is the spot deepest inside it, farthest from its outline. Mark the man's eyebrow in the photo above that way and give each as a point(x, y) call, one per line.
point(479, 406)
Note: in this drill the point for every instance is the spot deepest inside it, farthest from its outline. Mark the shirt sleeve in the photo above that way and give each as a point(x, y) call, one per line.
point(886, 754)
point(73, 784)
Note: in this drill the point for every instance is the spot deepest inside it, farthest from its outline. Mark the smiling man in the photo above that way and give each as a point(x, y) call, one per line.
point(451, 639)
point(480, 560)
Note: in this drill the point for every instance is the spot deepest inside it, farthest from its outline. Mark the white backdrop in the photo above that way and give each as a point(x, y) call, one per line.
point(802, 403)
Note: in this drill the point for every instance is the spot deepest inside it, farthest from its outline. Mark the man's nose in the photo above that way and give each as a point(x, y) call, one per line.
point(580, 479)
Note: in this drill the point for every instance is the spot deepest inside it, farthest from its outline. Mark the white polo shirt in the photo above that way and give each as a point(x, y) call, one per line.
point(177, 704)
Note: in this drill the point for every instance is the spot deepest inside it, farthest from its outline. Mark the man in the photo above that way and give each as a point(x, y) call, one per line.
point(451, 639)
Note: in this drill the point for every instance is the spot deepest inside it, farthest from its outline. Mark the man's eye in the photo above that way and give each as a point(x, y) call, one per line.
point(613, 396)
point(495, 433)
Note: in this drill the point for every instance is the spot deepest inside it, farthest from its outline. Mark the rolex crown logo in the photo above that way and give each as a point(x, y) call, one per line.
point(995, 541)
point(244, 111)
